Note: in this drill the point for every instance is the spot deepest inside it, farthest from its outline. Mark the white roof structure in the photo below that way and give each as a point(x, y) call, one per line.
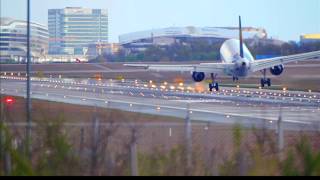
point(210, 32)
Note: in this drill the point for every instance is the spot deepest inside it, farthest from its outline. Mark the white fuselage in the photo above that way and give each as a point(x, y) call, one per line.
point(230, 53)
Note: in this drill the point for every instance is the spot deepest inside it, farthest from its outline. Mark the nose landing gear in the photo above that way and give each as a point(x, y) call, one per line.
point(214, 85)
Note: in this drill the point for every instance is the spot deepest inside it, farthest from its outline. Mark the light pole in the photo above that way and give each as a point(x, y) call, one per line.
point(188, 131)
point(28, 104)
point(2, 120)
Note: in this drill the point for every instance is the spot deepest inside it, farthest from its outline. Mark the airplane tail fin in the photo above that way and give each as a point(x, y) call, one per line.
point(241, 38)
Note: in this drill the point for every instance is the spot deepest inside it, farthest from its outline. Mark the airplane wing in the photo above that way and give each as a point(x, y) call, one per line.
point(269, 63)
point(203, 67)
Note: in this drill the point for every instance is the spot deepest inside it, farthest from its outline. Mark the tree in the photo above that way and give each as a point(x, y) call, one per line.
point(99, 59)
point(205, 50)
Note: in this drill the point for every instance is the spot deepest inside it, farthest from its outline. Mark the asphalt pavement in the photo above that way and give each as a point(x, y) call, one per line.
point(251, 107)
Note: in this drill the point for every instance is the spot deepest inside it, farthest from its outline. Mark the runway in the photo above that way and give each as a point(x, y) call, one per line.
point(251, 107)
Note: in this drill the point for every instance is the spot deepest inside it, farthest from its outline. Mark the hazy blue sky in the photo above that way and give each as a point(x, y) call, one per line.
point(283, 19)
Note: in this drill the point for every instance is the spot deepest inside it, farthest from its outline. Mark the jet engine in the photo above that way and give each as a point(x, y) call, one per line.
point(198, 76)
point(277, 70)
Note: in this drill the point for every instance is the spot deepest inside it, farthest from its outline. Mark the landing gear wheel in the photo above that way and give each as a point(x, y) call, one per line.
point(265, 82)
point(235, 79)
point(269, 82)
point(214, 86)
point(262, 83)
point(217, 87)
point(211, 87)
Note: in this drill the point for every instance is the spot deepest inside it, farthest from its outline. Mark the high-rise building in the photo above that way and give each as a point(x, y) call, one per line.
point(72, 29)
point(13, 40)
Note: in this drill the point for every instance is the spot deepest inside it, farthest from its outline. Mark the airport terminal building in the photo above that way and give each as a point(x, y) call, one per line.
point(13, 40)
point(310, 38)
point(139, 41)
point(73, 29)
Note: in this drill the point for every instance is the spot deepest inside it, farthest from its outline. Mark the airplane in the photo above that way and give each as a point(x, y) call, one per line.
point(237, 62)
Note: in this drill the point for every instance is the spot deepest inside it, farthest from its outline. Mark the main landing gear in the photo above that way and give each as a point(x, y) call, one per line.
point(265, 81)
point(235, 79)
point(214, 85)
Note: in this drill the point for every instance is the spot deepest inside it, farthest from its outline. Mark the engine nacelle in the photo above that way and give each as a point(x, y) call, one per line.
point(198, 76)
point(277, 70)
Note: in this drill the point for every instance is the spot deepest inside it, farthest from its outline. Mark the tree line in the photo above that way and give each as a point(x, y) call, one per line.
point(201, 50)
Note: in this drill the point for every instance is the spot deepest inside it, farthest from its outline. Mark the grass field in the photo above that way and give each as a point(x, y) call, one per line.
point(61, 149)
point(78, 114)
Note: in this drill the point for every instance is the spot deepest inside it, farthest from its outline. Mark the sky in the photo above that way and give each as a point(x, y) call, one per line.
point(283, 19)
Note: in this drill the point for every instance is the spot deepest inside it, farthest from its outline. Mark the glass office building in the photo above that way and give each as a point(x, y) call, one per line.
point(72, 29)
point(13, 40)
